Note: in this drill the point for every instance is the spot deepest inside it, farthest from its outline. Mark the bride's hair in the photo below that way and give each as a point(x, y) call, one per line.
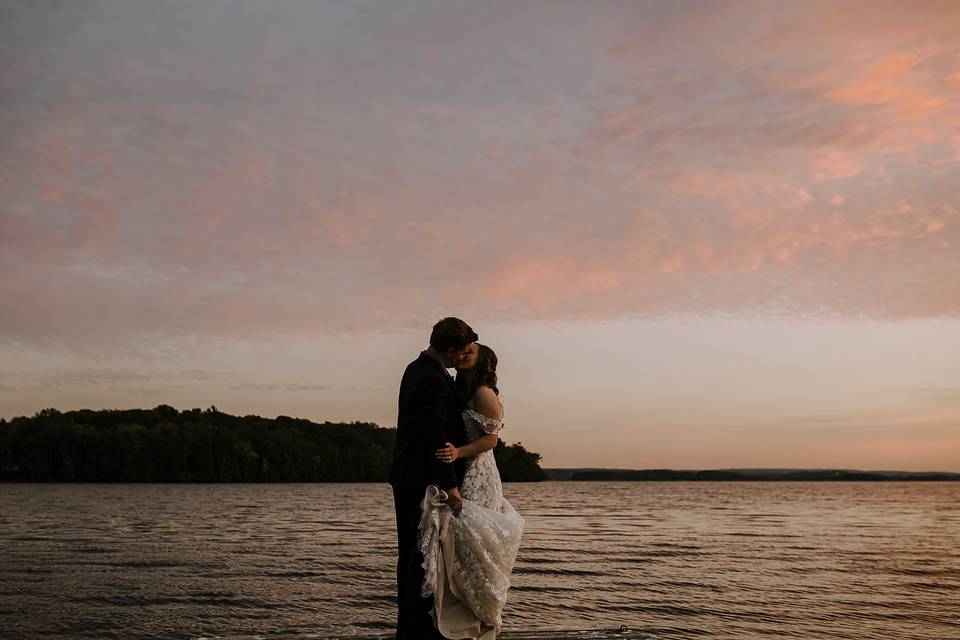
point(484, 373)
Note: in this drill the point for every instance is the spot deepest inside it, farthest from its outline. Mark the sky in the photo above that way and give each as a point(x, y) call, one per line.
point(697, 234)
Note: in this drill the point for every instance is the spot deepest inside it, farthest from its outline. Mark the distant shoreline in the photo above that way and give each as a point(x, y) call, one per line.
point(748, 475)
point(194, 446)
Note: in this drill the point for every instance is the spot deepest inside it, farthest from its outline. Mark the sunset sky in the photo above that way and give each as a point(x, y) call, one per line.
point(697, 234)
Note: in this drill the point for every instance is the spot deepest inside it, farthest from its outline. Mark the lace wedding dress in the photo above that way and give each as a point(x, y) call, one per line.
point(468, 558)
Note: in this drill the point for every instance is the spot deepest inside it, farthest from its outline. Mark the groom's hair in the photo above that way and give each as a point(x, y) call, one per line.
point(451, 333)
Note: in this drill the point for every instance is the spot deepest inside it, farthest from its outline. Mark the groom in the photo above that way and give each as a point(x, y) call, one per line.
point(429, 417)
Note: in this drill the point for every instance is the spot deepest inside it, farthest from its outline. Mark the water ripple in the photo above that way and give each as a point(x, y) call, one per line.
point(857, 561)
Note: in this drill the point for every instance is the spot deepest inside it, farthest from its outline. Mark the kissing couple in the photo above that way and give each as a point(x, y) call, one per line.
point(457, 536)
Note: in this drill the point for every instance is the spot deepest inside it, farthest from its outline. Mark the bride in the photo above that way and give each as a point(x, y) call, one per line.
point(468, 558)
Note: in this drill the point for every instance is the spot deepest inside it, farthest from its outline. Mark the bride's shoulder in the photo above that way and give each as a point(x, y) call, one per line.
point(487, 403)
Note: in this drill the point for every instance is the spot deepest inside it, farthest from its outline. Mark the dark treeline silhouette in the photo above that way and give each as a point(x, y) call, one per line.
point(166, 445)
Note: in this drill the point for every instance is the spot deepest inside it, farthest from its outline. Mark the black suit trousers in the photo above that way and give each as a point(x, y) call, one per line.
point(413, 612)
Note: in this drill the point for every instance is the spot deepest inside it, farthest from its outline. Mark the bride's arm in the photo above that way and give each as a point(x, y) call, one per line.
point(486, 404)
point(478, 446)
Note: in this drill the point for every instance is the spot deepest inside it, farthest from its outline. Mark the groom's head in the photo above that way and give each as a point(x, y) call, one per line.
point(451, 337)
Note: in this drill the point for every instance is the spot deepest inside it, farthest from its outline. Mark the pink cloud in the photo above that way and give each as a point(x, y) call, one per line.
point(647, 171)
point(879, 86)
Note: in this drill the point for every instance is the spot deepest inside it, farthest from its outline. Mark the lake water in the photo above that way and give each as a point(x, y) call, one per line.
point(665, 559)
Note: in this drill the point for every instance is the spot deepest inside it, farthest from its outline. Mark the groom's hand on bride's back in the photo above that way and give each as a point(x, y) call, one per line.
point(454, 500)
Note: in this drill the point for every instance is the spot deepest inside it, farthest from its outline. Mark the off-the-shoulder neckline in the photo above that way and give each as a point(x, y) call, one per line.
point(481, 417)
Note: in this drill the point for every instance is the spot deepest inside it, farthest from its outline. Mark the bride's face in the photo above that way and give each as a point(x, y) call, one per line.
point(470, 358)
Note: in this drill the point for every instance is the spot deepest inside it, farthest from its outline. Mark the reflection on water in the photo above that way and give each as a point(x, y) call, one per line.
point(665, 559)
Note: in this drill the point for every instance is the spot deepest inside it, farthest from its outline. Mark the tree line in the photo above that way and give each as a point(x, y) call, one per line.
point(166, 445)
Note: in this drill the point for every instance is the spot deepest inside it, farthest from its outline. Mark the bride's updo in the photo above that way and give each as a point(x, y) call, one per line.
point(482, 374)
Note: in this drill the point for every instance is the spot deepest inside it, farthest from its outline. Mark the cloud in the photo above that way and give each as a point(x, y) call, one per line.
point(117, 377)
point(879, 86)
point(277, 387)
point(307, 387)
point(255, 387)
point(711, 158)
point(940, 397)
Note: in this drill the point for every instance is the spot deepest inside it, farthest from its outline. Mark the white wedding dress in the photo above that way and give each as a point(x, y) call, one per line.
point(467, 559)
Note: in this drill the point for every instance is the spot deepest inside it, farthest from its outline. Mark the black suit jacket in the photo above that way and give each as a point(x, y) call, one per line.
point(429, 416)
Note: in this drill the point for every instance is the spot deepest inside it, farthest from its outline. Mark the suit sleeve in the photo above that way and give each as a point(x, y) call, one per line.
point(432, 420)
